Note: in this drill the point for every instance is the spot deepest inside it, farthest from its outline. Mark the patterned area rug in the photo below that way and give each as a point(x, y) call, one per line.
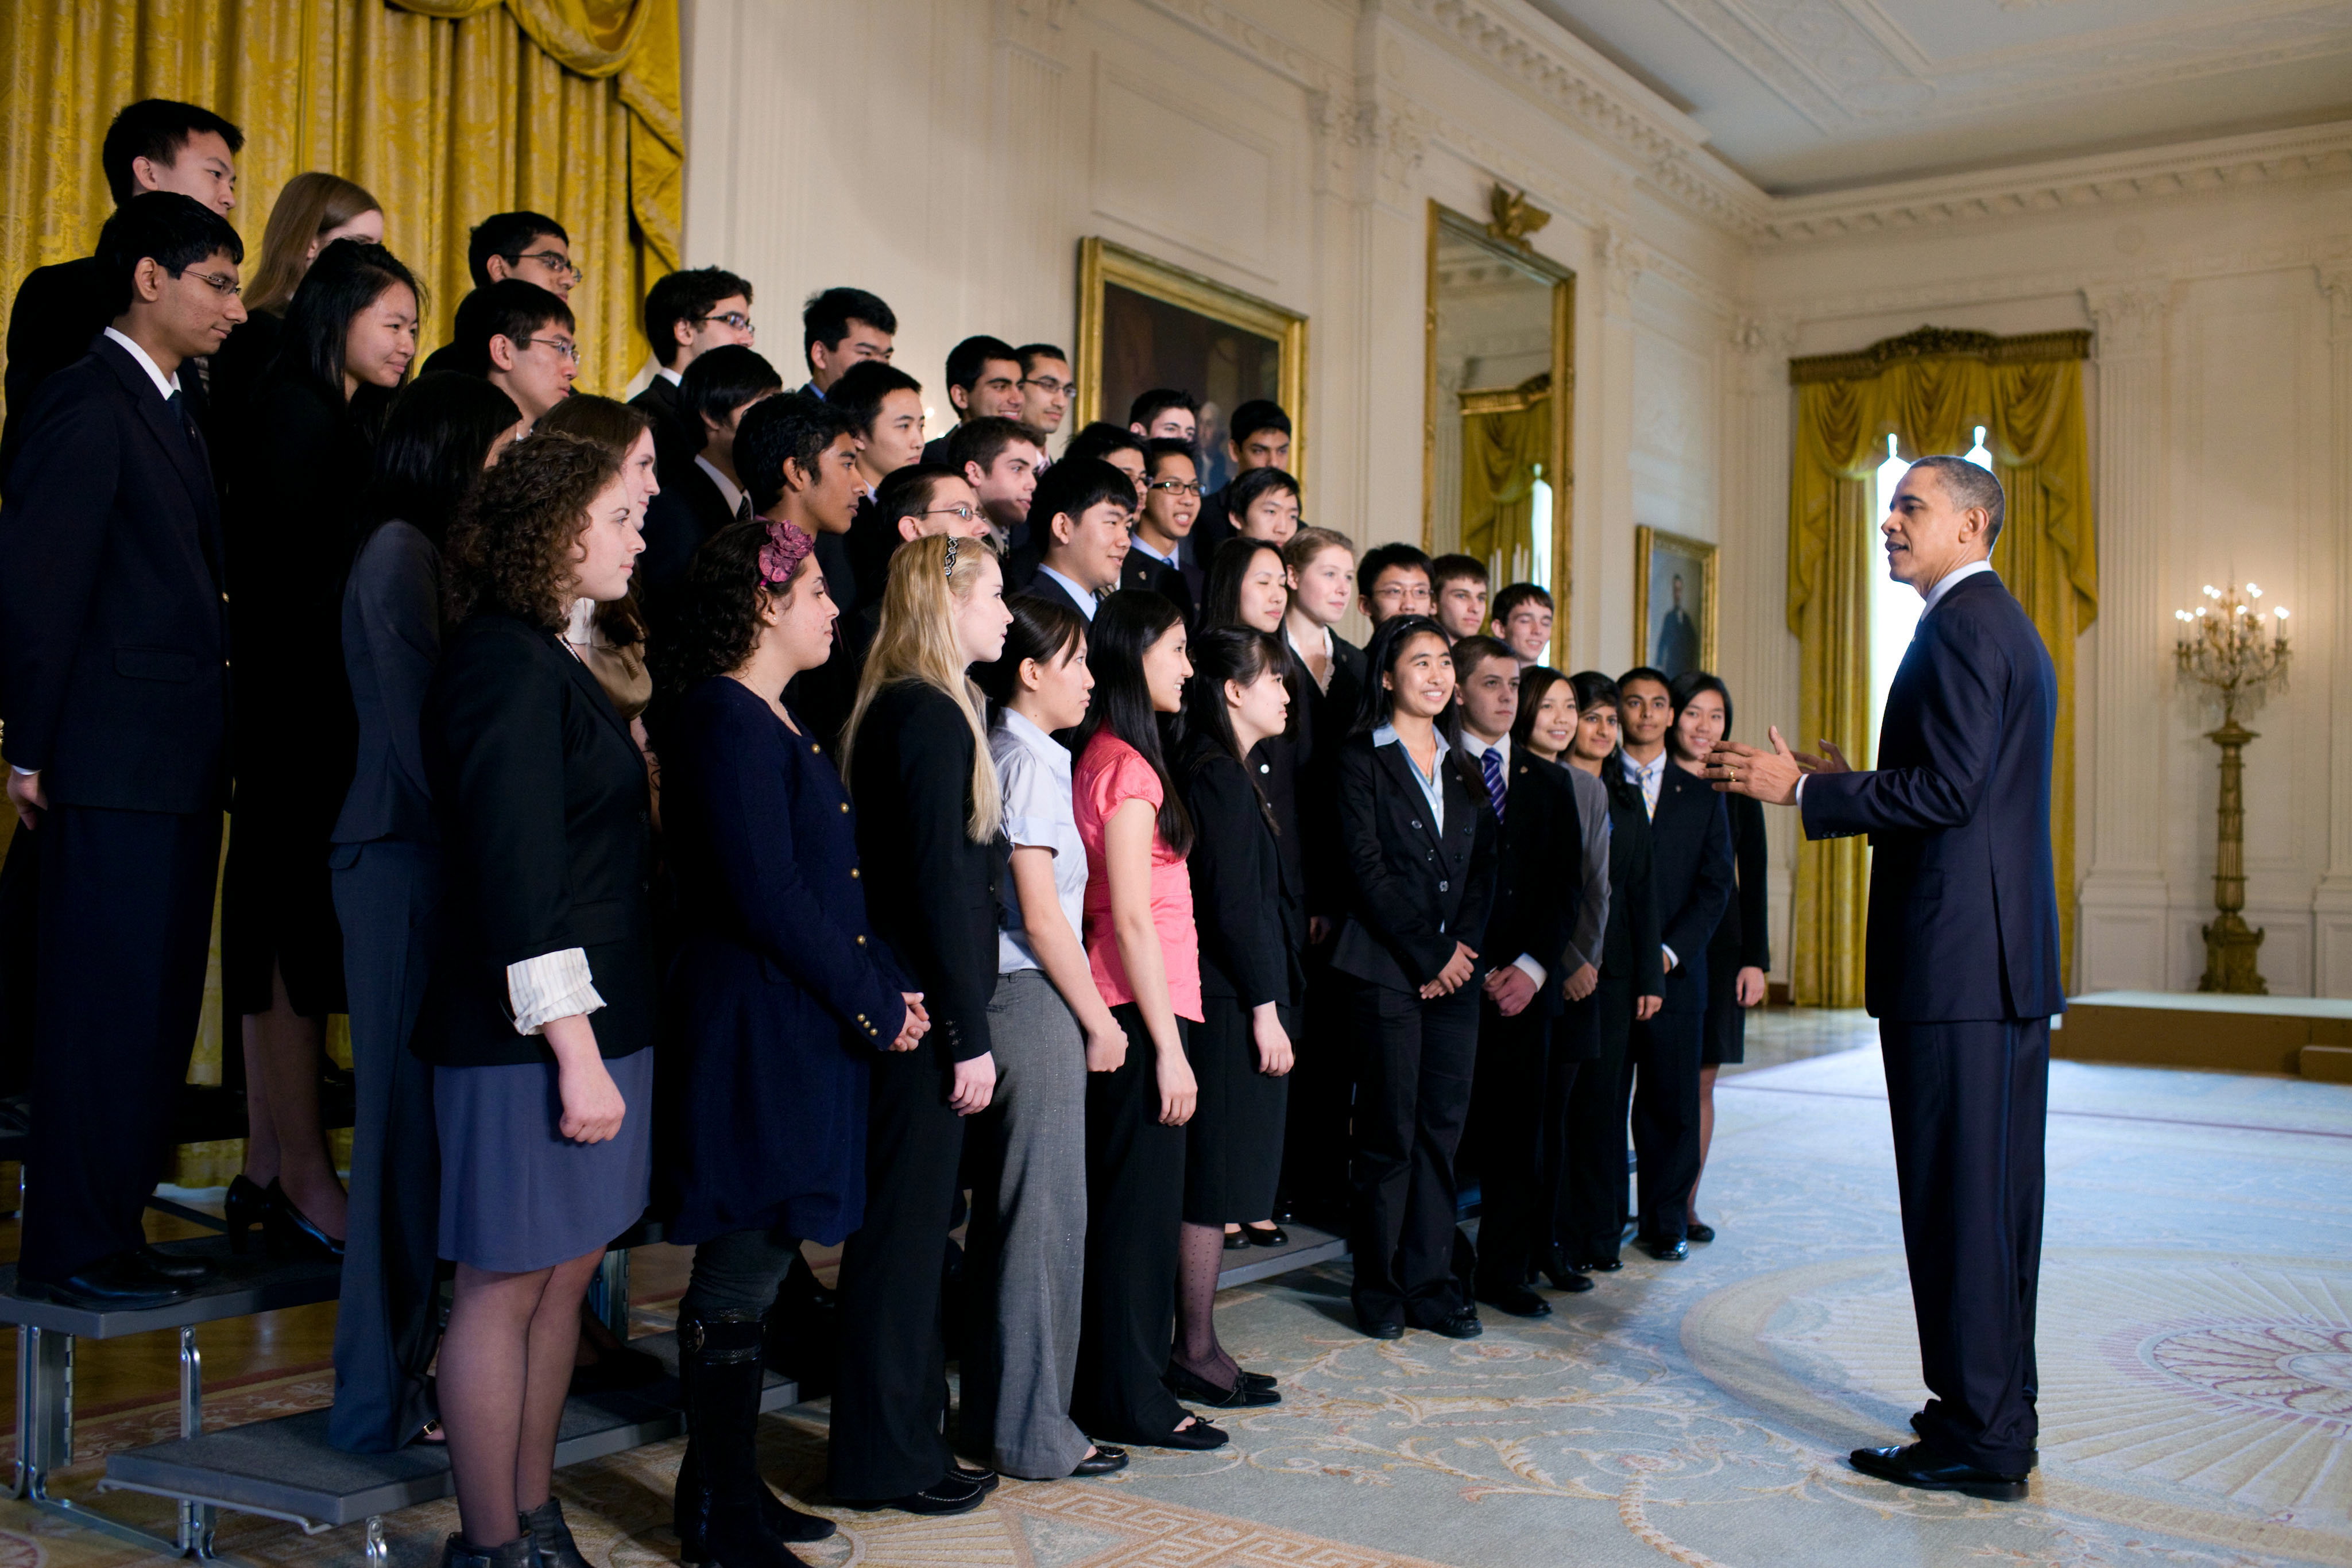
point(2196, 1349)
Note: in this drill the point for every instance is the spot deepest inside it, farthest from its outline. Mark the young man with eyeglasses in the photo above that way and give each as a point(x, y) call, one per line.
point(1001, 459)
point(1045, 387)
point(983, 383)
point(1392, 580)
point(531, 246)
point(841, 327)
point(1171, 501)
point(687, 315)
point(518, 336)
point(154, 144)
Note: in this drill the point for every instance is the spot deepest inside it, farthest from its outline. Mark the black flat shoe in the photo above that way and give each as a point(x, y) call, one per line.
point(290, 1233)
point(1266, 1235)
point(1260, 1379)
point(1194, 1389)
point(1699, 1232)
point(1517, 1301)
point(189, 1271)
point(245, 1207)
point(119, 1283)
point(1106, 1460)
point(1195, 1438)
point(1462, 1322)
point(948, 1495)
point(1237, 1240)
point(1912, 1465)
point(1665, 1249)
point(980, 1476)
point(1383, 1331)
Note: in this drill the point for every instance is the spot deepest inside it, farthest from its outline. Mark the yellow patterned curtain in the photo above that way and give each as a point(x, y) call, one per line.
point(446, 110)
point(1506, 436)
point(1929, 390)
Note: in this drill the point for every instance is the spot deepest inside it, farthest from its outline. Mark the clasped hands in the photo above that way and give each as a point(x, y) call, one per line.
point(1736, 769)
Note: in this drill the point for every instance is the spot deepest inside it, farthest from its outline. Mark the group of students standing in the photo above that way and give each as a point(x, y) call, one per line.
point(557, 728)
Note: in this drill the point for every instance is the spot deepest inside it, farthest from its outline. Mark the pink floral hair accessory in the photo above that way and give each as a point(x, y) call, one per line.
point(788, 544)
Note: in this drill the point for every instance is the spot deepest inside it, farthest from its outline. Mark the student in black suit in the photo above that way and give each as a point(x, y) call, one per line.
point(1590, 1185)
point(1172, 499)
point(1321, 569)
point(1002, 460)
point(387, 877)
point(688, 314)
point(510, 248)
point(1691, 839)
point(154, 144)
point(519, 338)
point(305, 446)
point(777, 1003)
point(1420, 839)
point(841, 327)
point(1538, 884)
point(1079, 516)
point(984, 381)
point(1741, 953)
point(115, 706)
point(1257, 435)
point(931, 843)
point(1963, 972)
point(1252, 929)
point(702, 487)
point(798, 458)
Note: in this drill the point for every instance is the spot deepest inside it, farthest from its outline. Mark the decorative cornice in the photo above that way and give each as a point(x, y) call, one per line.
point(1940, 343)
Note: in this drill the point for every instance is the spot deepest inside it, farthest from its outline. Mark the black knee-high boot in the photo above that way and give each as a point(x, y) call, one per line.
point(723, 1513)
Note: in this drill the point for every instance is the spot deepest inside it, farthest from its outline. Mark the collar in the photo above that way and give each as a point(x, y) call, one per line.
point(163, 384)
point(1331, 645)
point(1384, 735)
point(1958, 574)
point(1639, 771)
point(729, 491)
point(1024, 729)
point(1135, 541)
point(1471, 746)
point(1085, 596)
point(673, 377)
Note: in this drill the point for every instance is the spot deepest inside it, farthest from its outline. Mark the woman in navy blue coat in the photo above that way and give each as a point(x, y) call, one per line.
point(779, 997)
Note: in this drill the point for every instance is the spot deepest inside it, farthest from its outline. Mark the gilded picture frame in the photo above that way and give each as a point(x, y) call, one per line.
point(1669, 633)
point(1144, 323)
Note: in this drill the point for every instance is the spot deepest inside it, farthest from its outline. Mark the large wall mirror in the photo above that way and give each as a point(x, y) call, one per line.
point(1496, 476)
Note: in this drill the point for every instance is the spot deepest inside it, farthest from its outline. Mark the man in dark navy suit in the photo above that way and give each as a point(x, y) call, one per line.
point(1963, 969)
point(115, 703)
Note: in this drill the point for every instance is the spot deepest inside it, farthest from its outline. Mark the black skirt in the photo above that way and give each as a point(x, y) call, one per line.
point(1232, 1145)
point(1725, 1039)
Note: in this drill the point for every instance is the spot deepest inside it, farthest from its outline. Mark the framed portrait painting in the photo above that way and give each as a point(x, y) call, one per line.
point(1144, 324)
point(1673, 603)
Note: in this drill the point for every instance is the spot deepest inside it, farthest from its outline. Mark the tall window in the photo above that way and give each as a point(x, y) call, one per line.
point(1895, 606)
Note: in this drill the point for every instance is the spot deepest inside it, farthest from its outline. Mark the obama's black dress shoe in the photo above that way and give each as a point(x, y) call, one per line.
point(1912, 1465)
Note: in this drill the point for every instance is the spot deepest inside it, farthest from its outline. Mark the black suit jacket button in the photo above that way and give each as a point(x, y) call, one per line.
point(1416, 824)
point(1443, 885)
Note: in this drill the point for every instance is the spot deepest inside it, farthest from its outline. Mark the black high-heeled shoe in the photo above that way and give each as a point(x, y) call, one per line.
point(247, 1206)
point(290, 1233)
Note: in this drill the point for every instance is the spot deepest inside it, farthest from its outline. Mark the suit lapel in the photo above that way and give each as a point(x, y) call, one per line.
point(164, 425)
point(582, 675)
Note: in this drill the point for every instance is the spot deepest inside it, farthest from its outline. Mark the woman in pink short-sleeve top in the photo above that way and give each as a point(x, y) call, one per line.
point(1110, 773)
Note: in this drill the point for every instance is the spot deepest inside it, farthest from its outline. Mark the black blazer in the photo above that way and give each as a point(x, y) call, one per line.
point(931, 892)
point(1629, 948)
point(822, 698)
point(688, 510)
point(1253, 928)
point(392, 640)
point(114, 673)
point(1415, 891)
point(1963, 889)
point(1744, 940)
point(1154, 576)
point(545, 819)
point(1321, 721)
point(1538, 877)
point(677, 434)
point(1043, 587)
point(1691, 839)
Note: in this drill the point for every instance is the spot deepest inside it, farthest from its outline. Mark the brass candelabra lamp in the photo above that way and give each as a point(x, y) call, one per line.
point(2231, 647)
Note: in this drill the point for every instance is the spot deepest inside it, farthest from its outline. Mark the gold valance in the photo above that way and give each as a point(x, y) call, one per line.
point(1941, 343)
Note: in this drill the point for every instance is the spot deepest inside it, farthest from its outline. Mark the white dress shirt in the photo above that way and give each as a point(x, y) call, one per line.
point(675, 378)
point(1071, 586)
point(165, 384)
point(728, 490)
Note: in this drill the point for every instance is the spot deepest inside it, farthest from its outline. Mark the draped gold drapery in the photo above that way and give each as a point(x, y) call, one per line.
point(1506, 438)
point(446, 110)
point(1929, 390)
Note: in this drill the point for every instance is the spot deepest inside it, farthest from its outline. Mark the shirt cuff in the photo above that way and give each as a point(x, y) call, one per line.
point(1800, 797)
point(1525, 965)
point(21, 772)
point(1672, 961)
point(550, 987)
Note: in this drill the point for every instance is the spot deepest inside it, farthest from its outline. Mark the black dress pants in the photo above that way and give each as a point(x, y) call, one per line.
point(1590, 1222)
point(1970, 1101)
point(1518, 1081)
point(1135, 1205)
point(1664, 1064)
point(890, 1401)
point(388, 1317)
point(126, 901)
point(1322, 1091)
point(1415, 1063)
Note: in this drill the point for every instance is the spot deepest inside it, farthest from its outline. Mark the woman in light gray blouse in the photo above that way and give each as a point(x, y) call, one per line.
point(1025, 1267)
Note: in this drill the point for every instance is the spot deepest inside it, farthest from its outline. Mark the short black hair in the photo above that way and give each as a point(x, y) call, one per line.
point(1448, 569)
point(860, 389)
point(1099, 440)
point(791, 425)
point(1514, 595)
point(1471, 652)
point(1159, 446)
point(1158, 400)
point(1032, 352)
point(1258, 413)
point(722, 380)
point(685, 296)
point(983, 441)
point(511, 309)
point(1076, 485)
point(155, 129)
point(1645, 673)
point(1250, 483)
point(1381, 558)
point(506, 235)
point(180, 232)
point(907, 492)
point(826, 316)
point(969, 358)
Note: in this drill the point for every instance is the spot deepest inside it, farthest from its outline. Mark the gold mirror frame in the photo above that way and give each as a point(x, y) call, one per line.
point(1443, 220)
point(1102, 262)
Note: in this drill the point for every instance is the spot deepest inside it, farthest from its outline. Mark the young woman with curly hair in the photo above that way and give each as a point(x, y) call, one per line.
point(780, 997)
point(543, 1006)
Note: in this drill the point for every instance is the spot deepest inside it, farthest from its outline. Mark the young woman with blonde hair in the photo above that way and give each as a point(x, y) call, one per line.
point(313, 210)
point(932, 854)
